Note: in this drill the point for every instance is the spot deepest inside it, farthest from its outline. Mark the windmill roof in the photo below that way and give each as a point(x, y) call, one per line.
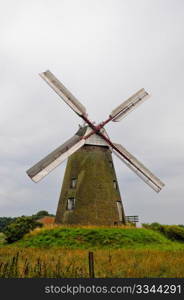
point(94, 139)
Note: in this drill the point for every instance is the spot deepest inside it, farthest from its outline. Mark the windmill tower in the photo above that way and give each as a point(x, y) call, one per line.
point(90, 192)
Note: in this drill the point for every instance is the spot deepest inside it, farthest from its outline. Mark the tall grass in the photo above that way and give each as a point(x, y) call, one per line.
point(62, 263)
point(62, 252)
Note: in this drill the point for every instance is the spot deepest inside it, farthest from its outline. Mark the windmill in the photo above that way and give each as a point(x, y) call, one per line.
point(90, 192)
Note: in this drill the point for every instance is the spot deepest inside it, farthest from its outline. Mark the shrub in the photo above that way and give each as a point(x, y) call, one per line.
point(154, 226)
point(173, 232)
point(22, 225)
point(41, 214)
point(4, 221)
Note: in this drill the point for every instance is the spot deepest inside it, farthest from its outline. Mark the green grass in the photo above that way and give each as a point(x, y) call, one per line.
point(2, 239)
point(62, 252)
point(97, 238)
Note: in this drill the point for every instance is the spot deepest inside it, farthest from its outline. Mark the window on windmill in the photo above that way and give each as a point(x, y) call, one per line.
point(115, 184)
point(73, 183)
point(71, 204)
point(111, 164)
point(120, 211)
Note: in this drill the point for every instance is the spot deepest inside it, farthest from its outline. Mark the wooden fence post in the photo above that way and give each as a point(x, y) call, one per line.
point(91, 265)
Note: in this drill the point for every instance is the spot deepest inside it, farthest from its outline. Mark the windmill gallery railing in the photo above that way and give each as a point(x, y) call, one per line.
point(132, 219)
point(128, 219)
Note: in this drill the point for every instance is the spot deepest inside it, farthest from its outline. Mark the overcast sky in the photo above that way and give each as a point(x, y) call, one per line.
point(103, 51)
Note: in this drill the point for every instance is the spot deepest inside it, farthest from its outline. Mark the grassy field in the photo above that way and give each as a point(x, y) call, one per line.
point(2, 239)
point(62, 263)
point(58, 252)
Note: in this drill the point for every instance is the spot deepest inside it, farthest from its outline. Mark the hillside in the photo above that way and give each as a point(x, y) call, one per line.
point(62, 252)
point(97, 238)
point(2, 237)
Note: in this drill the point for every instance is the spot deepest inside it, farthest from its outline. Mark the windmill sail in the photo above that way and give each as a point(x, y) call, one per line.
point(55, 158)
point(127, 106)
point(64, 93)
point(136, 166)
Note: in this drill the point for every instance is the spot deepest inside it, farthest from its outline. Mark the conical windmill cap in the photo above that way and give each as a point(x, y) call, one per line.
point(94, 139)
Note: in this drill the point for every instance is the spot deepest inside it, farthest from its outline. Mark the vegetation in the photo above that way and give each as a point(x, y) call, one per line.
point(2, 239)
point(4, 221)
point(173, 232)
point(97, 238)
point(42, 213)
point(62, 252)
point(60, 263)
point(17, 229)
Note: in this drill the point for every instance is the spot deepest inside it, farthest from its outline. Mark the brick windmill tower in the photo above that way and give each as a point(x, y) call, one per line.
point(90, 192)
